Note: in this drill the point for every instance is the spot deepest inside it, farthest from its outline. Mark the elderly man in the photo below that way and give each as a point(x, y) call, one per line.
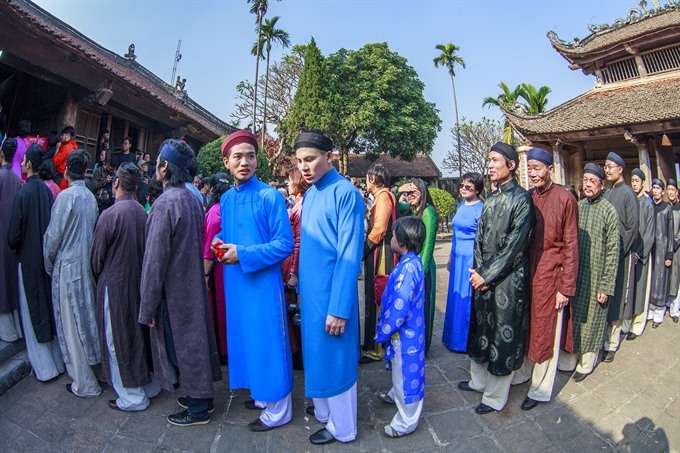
point(174, 296)
point(662, 254)
point(553, 268)
point(67, 249)
point(331, 247)
point(621, 303)
point(598, 237)
point(27, 225)
point(643, 249)
point(256, 237)
point(500, 309)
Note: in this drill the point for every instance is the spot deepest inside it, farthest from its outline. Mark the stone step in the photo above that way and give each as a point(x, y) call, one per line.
point(14, 364)
point(7, 350)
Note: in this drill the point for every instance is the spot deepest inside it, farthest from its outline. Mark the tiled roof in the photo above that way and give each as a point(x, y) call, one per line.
point(605, 36)
point(129, 71)
point(644, 101)
point(421, 167)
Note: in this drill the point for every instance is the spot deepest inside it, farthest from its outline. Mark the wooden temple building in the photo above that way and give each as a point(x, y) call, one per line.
point(54, 76)
point(634, 107)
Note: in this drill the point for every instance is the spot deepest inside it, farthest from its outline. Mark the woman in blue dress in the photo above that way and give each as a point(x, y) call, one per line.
point(458, 303)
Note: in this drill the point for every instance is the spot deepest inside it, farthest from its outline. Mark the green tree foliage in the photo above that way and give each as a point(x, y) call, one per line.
point(311, 109)
point(210, 158)
point(443, 201)
point(369, 101)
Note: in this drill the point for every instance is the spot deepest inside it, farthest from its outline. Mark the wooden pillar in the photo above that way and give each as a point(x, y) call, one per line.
point(645, 164)
point(559, 177)
point(69, 112)
point(575, 166)
point(522, 176)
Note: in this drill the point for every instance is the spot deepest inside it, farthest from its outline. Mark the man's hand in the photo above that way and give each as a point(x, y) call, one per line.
point(637, 258)
point(561, 300)
point(230, 254)
point(668, 263)
point(477, 280)
point(335, 326)
point(292, 281)
point(602, 298)
point(152, 324)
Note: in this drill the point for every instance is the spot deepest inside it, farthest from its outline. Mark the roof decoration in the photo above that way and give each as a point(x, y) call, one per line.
point(595, 39)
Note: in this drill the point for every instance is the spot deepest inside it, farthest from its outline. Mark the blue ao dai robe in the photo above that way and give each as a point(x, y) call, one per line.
point(331, 247)
point(254, 218)
point(402, 314)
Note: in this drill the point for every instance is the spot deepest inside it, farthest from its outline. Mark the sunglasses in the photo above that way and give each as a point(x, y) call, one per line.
point(466, 187)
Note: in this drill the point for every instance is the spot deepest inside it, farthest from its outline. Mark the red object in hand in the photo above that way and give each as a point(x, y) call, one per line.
point(219, 252)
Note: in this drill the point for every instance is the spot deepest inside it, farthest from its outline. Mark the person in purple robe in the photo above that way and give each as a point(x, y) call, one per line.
point(174, 299)
point(9, 290)
point(116, 260)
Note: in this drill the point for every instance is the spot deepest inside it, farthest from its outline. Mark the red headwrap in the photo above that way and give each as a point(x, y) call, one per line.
point(237, 138)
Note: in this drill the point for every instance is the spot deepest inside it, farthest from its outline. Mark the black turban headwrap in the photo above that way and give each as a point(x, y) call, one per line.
point(671, 182)
point(540, 155)
point(594, 169)
point(639, 173)
point(314, 139)
point(658, 182)
point(612, 156)
point(36, 155)
point(129, 177)
point(507, 151)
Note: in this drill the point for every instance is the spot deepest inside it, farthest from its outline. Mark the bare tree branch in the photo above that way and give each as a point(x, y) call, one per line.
point(476, 139)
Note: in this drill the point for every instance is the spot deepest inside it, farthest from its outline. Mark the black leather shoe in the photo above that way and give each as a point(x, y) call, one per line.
point(184, 419)
point(528, 404)
point(385, 398)
point(250, 405)
point(366, 359)
point(608, 356)
point(114, 406)
point(69, 389)
point(257, 426)
point(655, 325)
point(484, 409)
point(578, 377)
point(675, 319)
point(182, 402)
point(310, 411)
point(321, 437)
point(465, 385)
point(631, 336)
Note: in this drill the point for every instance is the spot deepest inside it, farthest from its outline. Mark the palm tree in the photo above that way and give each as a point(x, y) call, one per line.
point(449, 59)
point(507, 100)
point(269, 35)
point(259, 8)
point(537, 100)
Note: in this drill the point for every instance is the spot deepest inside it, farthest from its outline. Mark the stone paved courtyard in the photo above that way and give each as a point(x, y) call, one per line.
point(629, 405)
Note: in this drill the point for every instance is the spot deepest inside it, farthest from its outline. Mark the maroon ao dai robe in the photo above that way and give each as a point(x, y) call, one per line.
point(553, 264)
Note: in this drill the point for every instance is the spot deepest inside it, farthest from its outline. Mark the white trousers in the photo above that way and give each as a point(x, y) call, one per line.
point(85, 382)
point(584, 364)
point(10, 327)
point(129, 398)
point(276, 413)
point(637, 324)
point(612, 336)
point(656, 314)
point(674, 305)
point(543, 375)
point(339, 412)
point(405, 421)
point(495, 388)
point(45, 358)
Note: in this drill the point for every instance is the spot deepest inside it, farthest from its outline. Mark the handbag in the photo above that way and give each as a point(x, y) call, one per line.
point(380, 280)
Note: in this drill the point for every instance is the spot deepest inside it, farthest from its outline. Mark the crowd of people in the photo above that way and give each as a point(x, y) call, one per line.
point(161, 275)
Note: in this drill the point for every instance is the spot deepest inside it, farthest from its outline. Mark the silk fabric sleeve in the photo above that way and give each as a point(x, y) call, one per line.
point(430, 220)
point(567, 283)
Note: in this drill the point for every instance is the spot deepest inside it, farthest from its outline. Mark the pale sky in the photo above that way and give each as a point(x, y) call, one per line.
point(499, 40)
